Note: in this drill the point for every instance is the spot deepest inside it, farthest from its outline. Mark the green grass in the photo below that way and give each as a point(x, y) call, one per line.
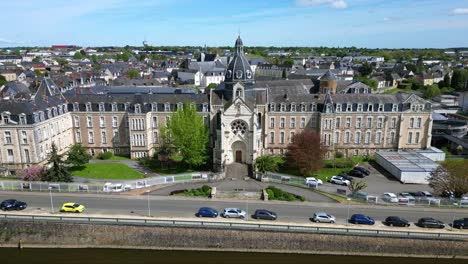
point(183, 177)
point(111, 171)
point(119, 158)
point(172, 167)
point(397, 90)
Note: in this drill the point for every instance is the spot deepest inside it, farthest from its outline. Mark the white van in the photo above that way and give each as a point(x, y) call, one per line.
point(312, 181)
point(464, 202)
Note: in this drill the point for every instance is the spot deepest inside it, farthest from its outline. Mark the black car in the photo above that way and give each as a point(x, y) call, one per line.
point(363, 170)
point(264, 214)
point(357, 173)
point(430, 222)
point(396, 221)
point(461, 223)
point(12, 204)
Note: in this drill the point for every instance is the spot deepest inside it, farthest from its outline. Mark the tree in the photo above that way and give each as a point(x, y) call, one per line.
point(33, 173)
point(445, 82)
point(77, 155)
point(306, 152)
point(56, 172)
point(36, 59)
point(369, 82)
point(189, 135)
point(365, 69)
point(133, 74)
point(288, 62)
point(2, 80)
point(411, 67)
point(355, 186)
point(210, 86)
point(268, 163)
point(431, 91)
point(459, 79)
point(78, 56)
point(450, 176)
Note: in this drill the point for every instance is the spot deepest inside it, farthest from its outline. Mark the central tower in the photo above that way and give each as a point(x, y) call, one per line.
point(238, 69)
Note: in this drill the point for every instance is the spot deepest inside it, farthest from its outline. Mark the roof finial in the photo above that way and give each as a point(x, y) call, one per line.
point(238, 32)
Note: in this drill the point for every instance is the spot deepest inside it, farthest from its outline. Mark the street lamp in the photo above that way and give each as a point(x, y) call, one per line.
point(149, 207)
point(51, 201)
point(347, 218)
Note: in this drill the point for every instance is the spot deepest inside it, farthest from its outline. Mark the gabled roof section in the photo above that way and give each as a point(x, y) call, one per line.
point(48, 88)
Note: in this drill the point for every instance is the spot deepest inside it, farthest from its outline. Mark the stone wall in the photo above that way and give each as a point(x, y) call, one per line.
point(80, 235)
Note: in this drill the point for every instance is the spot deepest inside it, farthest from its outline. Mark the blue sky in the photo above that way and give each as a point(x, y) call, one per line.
point(360, 23)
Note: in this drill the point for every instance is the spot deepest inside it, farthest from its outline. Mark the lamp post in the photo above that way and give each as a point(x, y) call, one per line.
point(51, 201)
point(347, 218)
point(149, 207)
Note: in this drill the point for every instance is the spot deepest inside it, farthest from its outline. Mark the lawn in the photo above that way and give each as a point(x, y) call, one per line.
point(174, 166)
point(397, 90)
point(114, 157)
point(111, 171)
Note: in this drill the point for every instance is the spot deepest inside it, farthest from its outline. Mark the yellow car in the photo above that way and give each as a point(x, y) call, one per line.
point(72, 208)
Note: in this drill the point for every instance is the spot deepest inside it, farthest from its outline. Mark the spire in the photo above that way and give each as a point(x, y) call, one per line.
point(239, 46)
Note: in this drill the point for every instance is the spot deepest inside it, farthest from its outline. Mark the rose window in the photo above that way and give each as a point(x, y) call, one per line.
point(238, 127)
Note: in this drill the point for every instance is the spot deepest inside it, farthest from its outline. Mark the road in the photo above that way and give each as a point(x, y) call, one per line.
point(181, 207)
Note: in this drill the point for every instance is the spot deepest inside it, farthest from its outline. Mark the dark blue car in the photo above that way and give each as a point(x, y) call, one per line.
point(361, 219)
point(206, 212)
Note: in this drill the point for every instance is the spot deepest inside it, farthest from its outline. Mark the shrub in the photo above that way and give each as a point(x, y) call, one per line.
point(105, 155)
point(206, 189)
point(278, 194)
point(339, 155)
point(271, 195)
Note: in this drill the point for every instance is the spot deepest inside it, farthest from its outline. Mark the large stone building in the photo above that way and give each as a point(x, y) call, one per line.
point(246, 118)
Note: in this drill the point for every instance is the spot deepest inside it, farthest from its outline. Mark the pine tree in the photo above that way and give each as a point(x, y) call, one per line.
point(77, 155)
point(56, 171)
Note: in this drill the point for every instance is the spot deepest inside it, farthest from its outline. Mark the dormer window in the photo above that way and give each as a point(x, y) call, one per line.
point(49, 113)
point(293, 107)
point(167, 107)
point(180, 106)
point(239, 92)
point(370, 108)
point(36, 118)
point(114, 107)
point(154, 107)
point(359, 107)
point(272, 107)
point(349, 107)
point(88, 107)
point(394, 108)
point(283, 107)
point(101, 107)
point(137, 109)
point(22, 119)
point(313, 107)
point(205, 107)
point(76, 107)
point(238, 74)
point(41, 116)
point(381, 107)
point(60, 109)
point(338, 107)
point(126, 106)
point(6, 118)
point(54, 111)
point(303, 107)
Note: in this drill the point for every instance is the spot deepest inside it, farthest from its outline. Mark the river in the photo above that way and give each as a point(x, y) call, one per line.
point(114, 256)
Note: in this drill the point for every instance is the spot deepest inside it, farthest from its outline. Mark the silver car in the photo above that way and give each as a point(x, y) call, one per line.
point(233, 213)
point(322, 217)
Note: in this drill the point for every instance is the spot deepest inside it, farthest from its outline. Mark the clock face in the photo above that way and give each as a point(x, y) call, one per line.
point(239, 74)
point(248, 73)
point(228, 74)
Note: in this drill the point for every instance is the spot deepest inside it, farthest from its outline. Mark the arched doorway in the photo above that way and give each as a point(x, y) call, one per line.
point(239, 152)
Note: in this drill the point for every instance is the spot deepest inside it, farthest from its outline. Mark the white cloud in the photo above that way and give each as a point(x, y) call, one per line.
point(332, 3)
point(7, 41)
point(460, 11)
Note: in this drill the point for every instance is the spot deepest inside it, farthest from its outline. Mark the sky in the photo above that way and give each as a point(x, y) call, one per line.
point(331, 23)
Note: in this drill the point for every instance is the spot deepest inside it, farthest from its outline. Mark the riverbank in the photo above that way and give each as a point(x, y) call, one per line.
point(50, 234)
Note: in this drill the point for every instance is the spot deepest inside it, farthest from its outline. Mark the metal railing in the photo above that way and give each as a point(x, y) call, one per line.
point(111, 186)
point(238, 226)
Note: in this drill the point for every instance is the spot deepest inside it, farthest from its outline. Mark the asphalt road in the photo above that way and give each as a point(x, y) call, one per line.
point(185, 208)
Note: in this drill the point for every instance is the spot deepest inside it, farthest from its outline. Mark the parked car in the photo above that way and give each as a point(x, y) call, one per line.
point(339, 180)
point(407, 196)
point(396, 221)
point(312, 181)
point(322, 217)
point(206, 212)
point(12, 204)
point(357, 173)
point(264, 214)
point(390, 197)
point(346, 177)
point(361, 219)
point(461, 223)
point(233, 213)
point(72, 208)
point(430, 222)
point(363, 170)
